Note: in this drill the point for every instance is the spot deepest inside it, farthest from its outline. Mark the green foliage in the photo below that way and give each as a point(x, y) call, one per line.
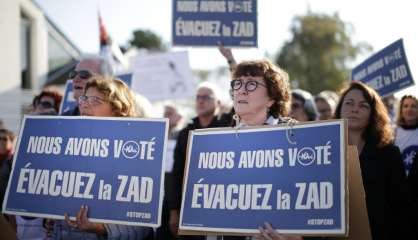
point(148, 40)
point(318, 54)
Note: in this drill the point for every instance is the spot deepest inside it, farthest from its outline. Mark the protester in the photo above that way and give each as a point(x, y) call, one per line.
point(303, 106)
point(103, 97)
point(174, 124)
point(207, 107)
point(83, 71)
point(390, 102)
point(47, 103)
point(407, 140)
point(380, 160)
point(7, 141)
point(325, 103)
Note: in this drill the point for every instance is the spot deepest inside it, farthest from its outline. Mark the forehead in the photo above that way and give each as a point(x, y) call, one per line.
point(204, 91)
point(88, 64)
point(93, 91)
point(409, 101)
point(355, 94)
point(47, 98)
point(247, 78)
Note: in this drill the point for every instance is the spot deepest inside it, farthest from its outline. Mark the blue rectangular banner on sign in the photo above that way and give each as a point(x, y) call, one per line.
point(294, 178)
point(205, 23)
point(113, 165)
point(387, 71)
point(68, 102)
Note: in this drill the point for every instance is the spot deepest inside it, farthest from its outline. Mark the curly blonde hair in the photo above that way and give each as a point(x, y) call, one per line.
point(120, 97)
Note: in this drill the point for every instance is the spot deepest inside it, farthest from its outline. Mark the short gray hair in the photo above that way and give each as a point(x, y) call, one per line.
point(105, 67)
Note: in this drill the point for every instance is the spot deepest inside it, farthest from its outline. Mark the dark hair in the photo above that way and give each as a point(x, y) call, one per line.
point(378, 130)
point(8, 133)
point(57, 96)
point(400, 121)
point(276, 79)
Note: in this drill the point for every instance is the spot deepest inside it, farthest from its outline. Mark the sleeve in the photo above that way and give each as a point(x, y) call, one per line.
point(398, 192)
point(174, 198)
point(124, 232)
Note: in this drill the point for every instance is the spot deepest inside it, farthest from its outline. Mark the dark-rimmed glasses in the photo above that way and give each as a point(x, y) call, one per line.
point(249, 86)
point(83, 74)
point(91, 100)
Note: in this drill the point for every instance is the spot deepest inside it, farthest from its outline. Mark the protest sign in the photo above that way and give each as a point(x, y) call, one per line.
point(205, 23)
point(113, 165)
point(387, 71)
point(293, 177)
point(163, 76)
point(68, 102)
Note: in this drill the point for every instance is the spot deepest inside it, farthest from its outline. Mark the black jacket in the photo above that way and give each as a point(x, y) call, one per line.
point(174, 195)
point(385, 186)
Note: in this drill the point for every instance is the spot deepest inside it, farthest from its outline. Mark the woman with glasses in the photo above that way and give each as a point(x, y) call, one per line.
point(103, 97)
point(380, 161)
point(47, 102)
point(406, 138)
point(261, 95)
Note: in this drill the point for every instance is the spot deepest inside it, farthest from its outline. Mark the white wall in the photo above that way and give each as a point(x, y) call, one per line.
point(10, 45)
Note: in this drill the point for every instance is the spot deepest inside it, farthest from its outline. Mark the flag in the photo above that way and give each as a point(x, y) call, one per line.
point(110, 50)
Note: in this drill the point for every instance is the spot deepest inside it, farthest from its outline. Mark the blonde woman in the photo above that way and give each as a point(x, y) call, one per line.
point(103, 97)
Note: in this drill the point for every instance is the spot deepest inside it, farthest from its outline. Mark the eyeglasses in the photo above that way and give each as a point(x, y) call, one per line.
point(83, 74)
point(91, 100)
point(45, 104)
point(204, 97)
point(250, 85)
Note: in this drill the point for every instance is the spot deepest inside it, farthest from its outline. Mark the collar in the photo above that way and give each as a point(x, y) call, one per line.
point(269, 121)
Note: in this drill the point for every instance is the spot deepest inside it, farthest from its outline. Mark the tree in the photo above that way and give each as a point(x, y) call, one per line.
point(318, 55)
point(148, 40)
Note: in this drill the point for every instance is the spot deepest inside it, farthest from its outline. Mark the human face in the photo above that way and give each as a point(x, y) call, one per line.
point(79, 83)
point(45, 104)
point(410, 111)
point(172, 115)
point(6, 144)
point(252, 106)
point(324, 109)
point(356, 109)
point(297, 110)
point(206, 103)
point(95, 104)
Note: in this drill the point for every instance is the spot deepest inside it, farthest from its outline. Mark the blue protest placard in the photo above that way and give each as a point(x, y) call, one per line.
point(126, 78)
point(293, 177)
point(112, 165)
point(205, 23)
point(387, 71)
point(68, 102)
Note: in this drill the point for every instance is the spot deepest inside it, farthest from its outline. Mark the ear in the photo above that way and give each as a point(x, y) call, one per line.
point(270, 103)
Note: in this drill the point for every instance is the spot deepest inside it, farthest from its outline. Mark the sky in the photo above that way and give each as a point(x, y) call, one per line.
point(378, 23)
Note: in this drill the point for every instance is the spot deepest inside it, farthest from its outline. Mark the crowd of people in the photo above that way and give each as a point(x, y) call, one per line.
point(261, 95)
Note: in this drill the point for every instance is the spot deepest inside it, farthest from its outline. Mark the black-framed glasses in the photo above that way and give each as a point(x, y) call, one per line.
point(91, 100)
point(249, 86)
point(83, 74)
point(45, 104)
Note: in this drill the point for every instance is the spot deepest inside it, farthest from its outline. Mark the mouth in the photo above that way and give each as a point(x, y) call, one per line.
point(78, 88)
point(242, 101)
